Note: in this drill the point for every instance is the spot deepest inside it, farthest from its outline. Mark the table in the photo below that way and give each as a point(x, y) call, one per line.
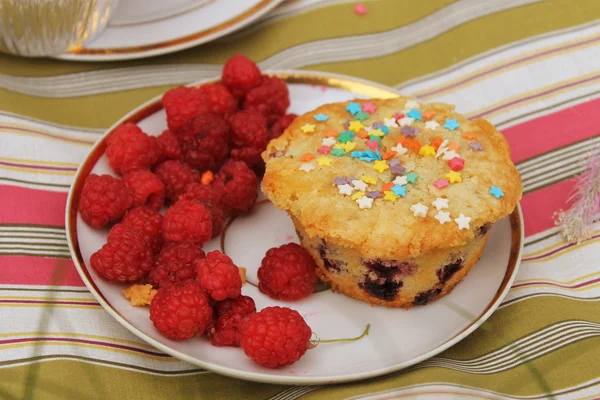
point(530, 67)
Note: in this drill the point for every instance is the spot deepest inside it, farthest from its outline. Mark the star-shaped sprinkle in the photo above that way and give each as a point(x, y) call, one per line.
point(475, 146)
point(369, 179)
point(456, 164)
point(346, 189)
point(453, 177)
point(307, 128)
point(338, 152)
point(324, 161)
point(427, 151)
point(369, 107)
point(349, 146)
point(440, 203)
point(357, 195)
point(496, 192)
point(324, 149)
point(380, 166)
point(340, 180)
point(432, 125)
point(411, 177)
point(399, 190)
point(397, 169)
point(307, 157)
point(373, 144)
point(321, 117)
point(443, 217)
point(375, 194)
point(451, 124)
point(453, 146)
point(307, 167)
point(462, 221)
point(414, 114)
point(449, 155)
point(428, 115)
point(419, 210)
point(355, 126)
point(361, 116)
point(385, 129)
point(469, 135)
point(365, 202)
point(328, 141)
point(331, 133)
point(442, 149)
point(390, 122)
point(389, 196)
point(353, 108)
point(346, 136)
point(399, 149)
point(406, 121)
point(409, 131)
point(411, 104)
point(359, 185)
point(360, 9)
point(377, 133)
point(401, 180)
point(441, 183)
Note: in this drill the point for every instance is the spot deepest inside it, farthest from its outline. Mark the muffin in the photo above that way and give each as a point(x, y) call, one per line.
point(393, 198)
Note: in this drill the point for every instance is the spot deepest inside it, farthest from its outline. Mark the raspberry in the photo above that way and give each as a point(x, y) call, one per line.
point(241, 305)
point(212, 193)
point(104, 199)
point(176, 263)
point(248, 129)
point(271, 98)
point(240, 190)
point(205, 141)
point(147, 221)
point(211, 197)
point(129, 149)
point(125, 257)
point(169, 147)
point(183, 103)
point(175, 176)
point(276, 337)
point(220, 99)
point(240, 74)
point(147, 189)
point(251, 157)
point(281, 125)
point(181, 311)
point(231, 315)
point(287, 273)
point(219, 276)
point(187, 221)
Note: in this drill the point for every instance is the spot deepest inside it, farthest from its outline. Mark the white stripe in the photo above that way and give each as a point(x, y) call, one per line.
point(33, 230)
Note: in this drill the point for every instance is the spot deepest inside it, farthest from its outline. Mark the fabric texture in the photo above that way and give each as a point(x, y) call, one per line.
point(530, 67)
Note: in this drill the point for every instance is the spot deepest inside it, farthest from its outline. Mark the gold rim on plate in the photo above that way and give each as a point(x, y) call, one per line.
point(182, 42)
point(354, 85)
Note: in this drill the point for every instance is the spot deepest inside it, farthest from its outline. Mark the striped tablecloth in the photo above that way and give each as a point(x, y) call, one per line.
point(531, 67)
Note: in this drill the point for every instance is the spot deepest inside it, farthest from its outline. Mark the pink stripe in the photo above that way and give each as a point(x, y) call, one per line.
point(579, 285)
point(556, 250)
point(509, 64)
point(38, 166)
point(27, 270)
point(539, 206)
point(533, 96)
point(553, 131)
point(66, 139)
point(84, 341)
point(32, 206)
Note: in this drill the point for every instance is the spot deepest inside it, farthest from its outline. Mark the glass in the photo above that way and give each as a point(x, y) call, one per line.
point(50, 27)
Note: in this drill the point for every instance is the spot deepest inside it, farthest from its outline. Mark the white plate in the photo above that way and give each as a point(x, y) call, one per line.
point(398, 338)
point(145, 28)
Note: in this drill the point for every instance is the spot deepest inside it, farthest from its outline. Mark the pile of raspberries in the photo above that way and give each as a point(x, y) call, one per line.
point(204, 168)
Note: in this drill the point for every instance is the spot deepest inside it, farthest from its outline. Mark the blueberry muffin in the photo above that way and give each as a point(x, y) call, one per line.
point(393, 198)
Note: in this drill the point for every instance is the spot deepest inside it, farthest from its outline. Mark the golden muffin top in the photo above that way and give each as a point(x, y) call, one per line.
point(393, 178)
